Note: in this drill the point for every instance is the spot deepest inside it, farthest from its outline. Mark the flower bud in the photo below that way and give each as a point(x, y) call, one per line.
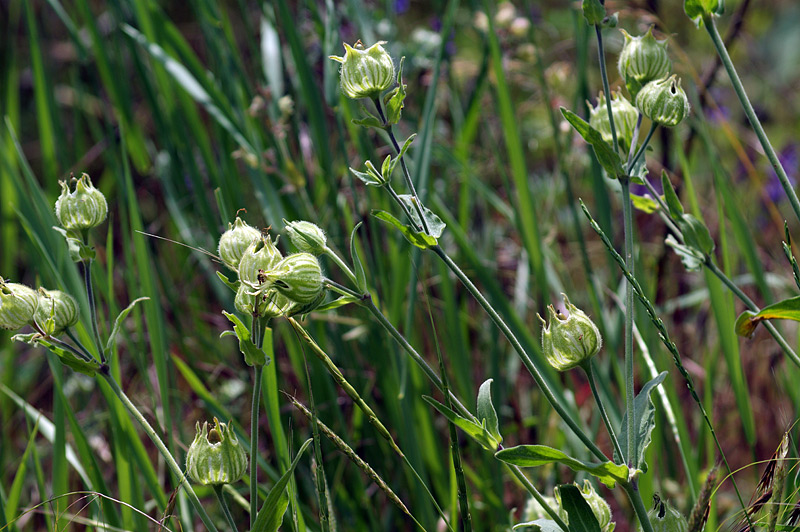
point(82, 208)
point(234, 242)
point(600, 508)
point(625, 118)
point(567, 342)
point(365, 73)
point(18, 305)
point(665, 518)
point(307, 237)
point(260, 257)
point(643, 59)
point(298, 277)
point(664, 101)
point(58, 305)
point(215, 456)
point(267, 304)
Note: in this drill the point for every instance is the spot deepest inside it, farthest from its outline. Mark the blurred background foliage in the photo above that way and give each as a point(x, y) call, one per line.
point(185, 113)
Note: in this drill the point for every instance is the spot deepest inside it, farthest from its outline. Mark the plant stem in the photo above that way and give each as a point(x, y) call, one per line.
point(602, 57)
point(257, 378)
point(71, 336)
point(168, 458)
point(639, 153)
point(727, 281)
point(635, 496)
point(224, 505)
point(429, 372)
point(588, 368)
point(711, 27)
point(526, 359)
point(517, 472)
point(341, 264)
point(406, 173)
point(629, 311)
point(87, 280)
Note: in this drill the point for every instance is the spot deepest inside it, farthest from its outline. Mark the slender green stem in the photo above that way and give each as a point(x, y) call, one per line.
point(406, 173)
point(602, 57)
point(403, 206)
point(83, 356)
point(343, 290)
point(87, 279)
point(787, 349)
point(341, 264)
point(635, 136)
point(524, 356)
point(588, 368)
point(632, 489)
point(517, 472)
point(71, 336)
point(711, 27)
point(727, 281)
point(162, 448)
point(629, 311)
point(257, 378)
point(643, 147)
point(429, 372)
point(224, 505)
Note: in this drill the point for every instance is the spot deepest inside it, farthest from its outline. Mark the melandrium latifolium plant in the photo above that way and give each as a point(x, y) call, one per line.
point(290, 280)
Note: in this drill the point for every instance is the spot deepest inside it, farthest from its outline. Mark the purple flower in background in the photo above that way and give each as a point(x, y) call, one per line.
point(721, 113)
point(790, 159)
point(401, 6)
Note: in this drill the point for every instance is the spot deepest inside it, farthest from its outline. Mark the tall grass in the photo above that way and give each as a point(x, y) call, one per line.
point(183, 114)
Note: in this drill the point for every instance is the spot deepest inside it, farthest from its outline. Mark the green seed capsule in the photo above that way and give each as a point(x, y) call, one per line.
point(664, 518)
point(234, 242)
point(262, 304)
point(18, 304)
point(365, 73)
point(215, 456)
point(298, 277)
point(664, 101)
point(83, 207)
point(567, 342)
point(58, 306)
point(307, 237)
point(260, 257)
point(625, 118)
point(643, 59)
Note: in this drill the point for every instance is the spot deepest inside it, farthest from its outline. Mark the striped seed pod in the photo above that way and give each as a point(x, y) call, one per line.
point(365, 73)
point(664, 101)
point(215, 456)
point(234, 242)
point(18, 304)
point(643, 59)
point(298, 277)
point(82, 207)
point(58, 305)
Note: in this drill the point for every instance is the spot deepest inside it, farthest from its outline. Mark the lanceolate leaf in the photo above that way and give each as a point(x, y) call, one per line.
point(581, 517)
point(788, 309)
point(270, 517)
point(608, 473)
point(112, 338)
point(606, 156)
point(68, 358)
point(486, 412)
point(252, 355)
point(645, 412)
point(358, 267)
point(473, 430)
point(435, 224)
point(419, 239)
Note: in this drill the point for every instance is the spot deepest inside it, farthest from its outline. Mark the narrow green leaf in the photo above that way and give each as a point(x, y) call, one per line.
point(253, 356)
point(645, 412)
point(593, 12)
point(419, 239)
point(788, 309)
point(671, 198)
point(608, 473)
point(394, 100)
point(68, 358)
point(361, 276)
point(270, 517)
point(581, 517)
point(331, 305)
point(606, 156)
point(367, 178)
point(15, 492)
point(540, 525)
point(227, 282)
point(472, 429)
point(486, 412)
point(435, 224)
point(112, 338)
point(692, 258)
point(645, 204)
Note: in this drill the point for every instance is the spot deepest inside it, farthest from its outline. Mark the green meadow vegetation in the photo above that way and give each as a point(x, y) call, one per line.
point(440, 266)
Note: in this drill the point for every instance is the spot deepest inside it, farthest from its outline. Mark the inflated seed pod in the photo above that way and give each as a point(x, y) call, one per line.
point(307, 237)
point(643, 59)
point(569, 341)
point(58, 305)
point(365, 73)
point(625, 118)
point(18, 304)
point(234, 242)
point(260, 257)
point(298, 277)
point(664, 101)
point(80, 205)
point(215, 456)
